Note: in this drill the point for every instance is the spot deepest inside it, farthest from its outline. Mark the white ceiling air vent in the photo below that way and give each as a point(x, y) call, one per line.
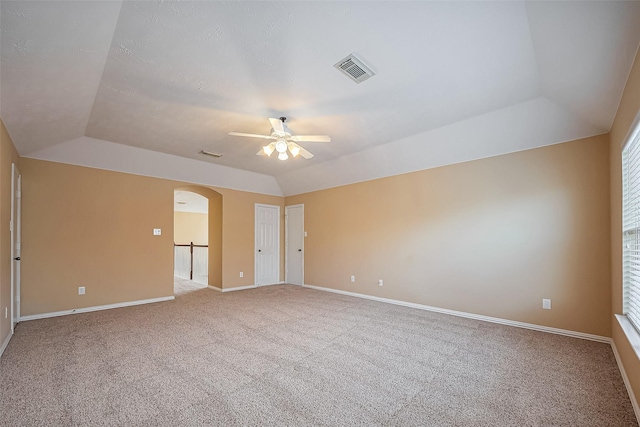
point(355, 69)
point(209, 153)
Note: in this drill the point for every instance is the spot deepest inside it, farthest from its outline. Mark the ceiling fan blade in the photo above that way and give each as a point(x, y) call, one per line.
point(277, 126)
point(251, 135)
point(304, 153)
point(296, 150)
point(311, 138)
point(301, 151)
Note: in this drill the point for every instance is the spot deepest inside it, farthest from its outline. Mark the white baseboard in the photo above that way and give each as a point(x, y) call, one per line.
point(627, 384)
point(242, 288)
point(531, 326)
point(95, 308)
point(239, 288)
point(5, 343)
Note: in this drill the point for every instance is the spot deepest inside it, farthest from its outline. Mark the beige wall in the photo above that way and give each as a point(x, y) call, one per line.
point(238, 238)
point(190, 227)
point(93, 228)
point(8, 155)
point(627, 112)
point(492, 237)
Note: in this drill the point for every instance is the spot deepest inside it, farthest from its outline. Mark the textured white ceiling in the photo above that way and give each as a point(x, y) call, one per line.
point(455, 80)
point(186, 201)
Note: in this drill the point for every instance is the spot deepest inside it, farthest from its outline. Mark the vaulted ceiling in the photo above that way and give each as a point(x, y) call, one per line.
point(144, 86)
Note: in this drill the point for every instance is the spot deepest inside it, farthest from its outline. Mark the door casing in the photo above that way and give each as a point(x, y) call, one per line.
point(294, 244)
point(16, 208)
point(267, 244)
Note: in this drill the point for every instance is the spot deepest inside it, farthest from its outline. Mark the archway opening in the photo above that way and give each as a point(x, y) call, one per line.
point(191, 241)
point(197, 239)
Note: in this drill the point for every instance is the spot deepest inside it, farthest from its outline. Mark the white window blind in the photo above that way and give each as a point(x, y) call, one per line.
point(631, 228)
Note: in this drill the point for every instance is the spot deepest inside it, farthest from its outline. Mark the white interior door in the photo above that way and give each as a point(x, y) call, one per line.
point(16, 195)
point(294, 230)
point(267, 244)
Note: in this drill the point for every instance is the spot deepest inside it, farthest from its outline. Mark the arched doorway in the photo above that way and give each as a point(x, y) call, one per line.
point(197, 234)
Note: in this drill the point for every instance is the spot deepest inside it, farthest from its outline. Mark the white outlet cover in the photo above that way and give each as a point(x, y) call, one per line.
point(353, 278)
point(81, 290)
point(241, 274)
point(380, 282)
point(157, 231)
point(546, 304)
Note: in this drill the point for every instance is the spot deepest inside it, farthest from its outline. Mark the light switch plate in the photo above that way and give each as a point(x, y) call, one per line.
point(157, 231)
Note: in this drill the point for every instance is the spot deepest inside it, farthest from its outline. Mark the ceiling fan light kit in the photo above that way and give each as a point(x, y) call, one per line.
point(281, 146)
point(268, 149)
point(284, 141)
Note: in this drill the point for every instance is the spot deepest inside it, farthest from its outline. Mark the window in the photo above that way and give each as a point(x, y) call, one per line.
point(631, 228)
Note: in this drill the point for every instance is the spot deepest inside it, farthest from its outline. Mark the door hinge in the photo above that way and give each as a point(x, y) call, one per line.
point(18, 194)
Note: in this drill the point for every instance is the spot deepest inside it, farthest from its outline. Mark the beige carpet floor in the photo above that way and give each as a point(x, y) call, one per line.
point(286, 355)
point(184, 286)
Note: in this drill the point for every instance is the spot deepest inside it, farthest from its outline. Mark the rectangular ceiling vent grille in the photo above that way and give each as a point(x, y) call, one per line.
point(209, 153)
point(355, 69)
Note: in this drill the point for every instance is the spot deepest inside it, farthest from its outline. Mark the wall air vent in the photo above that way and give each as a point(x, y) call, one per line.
point(355, 69)
point(209, 153)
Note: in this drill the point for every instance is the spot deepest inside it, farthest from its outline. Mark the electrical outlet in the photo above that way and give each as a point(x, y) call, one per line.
point(241, 274)
point(80, 290)
point(157, 231)
point(546, 304)
point(353, 278)
point(380, 282)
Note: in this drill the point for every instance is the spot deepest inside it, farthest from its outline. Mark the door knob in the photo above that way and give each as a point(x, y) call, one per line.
point(17, 258)
point(259, 250)
point(299, 250)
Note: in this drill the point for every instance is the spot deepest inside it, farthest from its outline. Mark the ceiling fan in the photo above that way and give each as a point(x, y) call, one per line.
point(283, 141)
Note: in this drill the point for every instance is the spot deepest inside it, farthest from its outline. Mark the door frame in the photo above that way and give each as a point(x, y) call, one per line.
point(255, 241)
point(286, 241)
point(15, 224)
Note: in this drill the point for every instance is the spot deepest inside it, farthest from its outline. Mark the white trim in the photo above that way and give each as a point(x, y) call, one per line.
point(239, 288)
point(5, 343)
point(243, 288)
point(95, 308)
point(630, 332)
point(625, 378)
point(507, 322)
point(273, 284)
point(15, 224)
